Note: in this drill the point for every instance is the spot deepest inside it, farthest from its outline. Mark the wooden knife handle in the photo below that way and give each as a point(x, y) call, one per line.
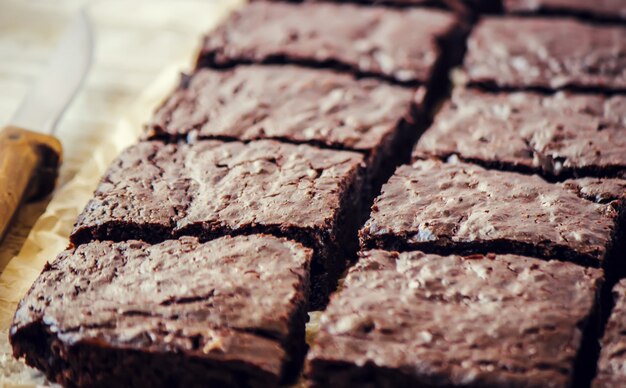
point(29, 165)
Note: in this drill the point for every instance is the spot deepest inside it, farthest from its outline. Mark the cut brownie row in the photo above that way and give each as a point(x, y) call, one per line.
point(416, 319)
point(546, 54)
point(179, 313)
point(462, 208)
point(558, 136)
point(402, 45)
point(156, 191)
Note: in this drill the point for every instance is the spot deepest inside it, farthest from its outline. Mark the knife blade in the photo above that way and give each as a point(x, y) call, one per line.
point(30, 155)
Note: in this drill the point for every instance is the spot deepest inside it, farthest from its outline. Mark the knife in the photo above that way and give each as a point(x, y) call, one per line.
point(30, 155)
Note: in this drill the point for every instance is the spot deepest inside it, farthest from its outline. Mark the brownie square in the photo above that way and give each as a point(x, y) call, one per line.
point(546, 54)
point(604, 9)
point(208, 189)
point(612, 363)
point(296, 105)
point(229, 312)
point(416, 319)
point(342, 36)
point(462, 208)
point(558, 136)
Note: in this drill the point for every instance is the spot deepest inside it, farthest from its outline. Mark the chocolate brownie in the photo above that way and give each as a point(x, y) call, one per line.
point(416, 319)
point(463, 208)
point(342, 36)
point(296, 105)
point(230, 312)
point(547, 54)
point(207, 189)
point(560, 135)
point(603, 9)
point(612, 363)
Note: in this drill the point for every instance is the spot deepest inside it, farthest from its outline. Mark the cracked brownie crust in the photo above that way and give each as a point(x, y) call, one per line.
point(416, 319)
point(156, 191)
point(561, 135)
point(317, 34)
point(175, 313)
point(539, 53)
point(463, 208)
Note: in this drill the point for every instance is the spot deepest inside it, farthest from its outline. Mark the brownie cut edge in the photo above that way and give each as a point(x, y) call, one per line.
point(175, 313)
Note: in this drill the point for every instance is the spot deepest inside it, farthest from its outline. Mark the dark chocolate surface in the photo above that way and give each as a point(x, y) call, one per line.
point(345, 36)
point(546, 53)
point(166, 310)
point(458, 207)
point(294, 104)
point(557, 135)
point(415, 319)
